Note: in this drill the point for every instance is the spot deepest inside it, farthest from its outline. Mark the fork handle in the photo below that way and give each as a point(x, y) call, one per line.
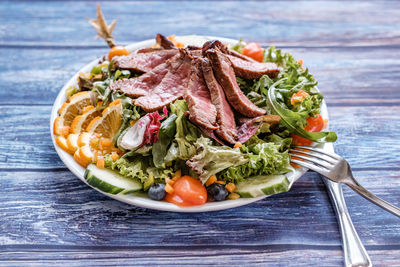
point(353, 249)
point(353, 184)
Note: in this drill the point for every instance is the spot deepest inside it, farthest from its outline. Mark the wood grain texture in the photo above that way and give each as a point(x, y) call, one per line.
point(299, 23)
point(180, 256)
point(347, 77)
point(25, 140)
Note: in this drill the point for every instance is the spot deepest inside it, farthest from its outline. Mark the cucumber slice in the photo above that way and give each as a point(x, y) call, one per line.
point(110, 182)
point(262, 185)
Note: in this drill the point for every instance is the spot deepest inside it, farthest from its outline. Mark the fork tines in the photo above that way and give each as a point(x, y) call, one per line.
point(313, 158)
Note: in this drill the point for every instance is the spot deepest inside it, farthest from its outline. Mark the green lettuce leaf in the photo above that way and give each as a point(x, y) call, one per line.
point(138, 167)
point(295, 121)
point(165, 137)
point(264, 159)
point(213, 159)
point(186, 134)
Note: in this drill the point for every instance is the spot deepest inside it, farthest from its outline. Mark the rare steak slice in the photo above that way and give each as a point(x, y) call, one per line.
point(252, 70)
point(226, 77)
point(171, 87)
point(244, 66)
point(142, 85)
point(201, 111)
point(144, 62)
point(216, 44)
point(164, 42)
point(225, 117)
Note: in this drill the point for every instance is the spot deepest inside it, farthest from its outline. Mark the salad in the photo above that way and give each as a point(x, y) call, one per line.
point(187, 124)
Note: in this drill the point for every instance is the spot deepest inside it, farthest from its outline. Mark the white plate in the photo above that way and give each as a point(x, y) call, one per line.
point(143, 201)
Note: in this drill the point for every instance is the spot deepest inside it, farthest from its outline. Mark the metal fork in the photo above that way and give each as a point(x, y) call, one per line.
point(336, 169)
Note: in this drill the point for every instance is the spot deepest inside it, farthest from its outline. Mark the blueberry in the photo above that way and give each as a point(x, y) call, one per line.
point(157, 192)
point(217, 192)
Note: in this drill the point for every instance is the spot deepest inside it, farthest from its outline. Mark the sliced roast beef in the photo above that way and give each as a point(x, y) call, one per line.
point(226, 77)
point(201, 111)
point(144, 62)
point(148, 49)
point(248, 127)
point(195, 53)
point(253, 70)
point(244, 67)
point(144, 84)
point(164, 42)
point(171, 87)
point(211, 133)
point(225, 117)
point(216, 44)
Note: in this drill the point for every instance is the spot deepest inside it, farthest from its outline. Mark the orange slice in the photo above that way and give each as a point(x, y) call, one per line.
point(97, 140)
point(62, 142)
point(70, 109)
point(72, 142)
point(110, 121)
point(80, 122)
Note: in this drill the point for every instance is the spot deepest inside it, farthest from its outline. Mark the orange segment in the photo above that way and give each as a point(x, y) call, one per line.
point(109, 123)
point(84, 139)
point(71, 109)
point(80, 160)
point(97, 140)
point(72, 142)
point(62, 142)
point(80, 123)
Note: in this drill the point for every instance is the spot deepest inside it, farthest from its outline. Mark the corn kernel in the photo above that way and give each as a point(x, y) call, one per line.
point(231, 187)
point(233, 196)
point(211, 180)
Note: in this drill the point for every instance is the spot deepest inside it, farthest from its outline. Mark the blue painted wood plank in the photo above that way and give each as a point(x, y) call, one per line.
point(181, 256)
point(349, 76)
point(304, 23)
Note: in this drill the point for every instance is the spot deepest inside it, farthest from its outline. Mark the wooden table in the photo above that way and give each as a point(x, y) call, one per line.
point(49, 217)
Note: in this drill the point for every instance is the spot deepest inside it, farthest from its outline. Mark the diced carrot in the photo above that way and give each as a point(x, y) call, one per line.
point(212, 179)
point(177, 175)
point(133, 122)
point(298, 97)
point(114, 156)
point(169, 189)
point(300, 62)
point(220, 182)
point(231, 187)
point(94, 142)
point(100, 162)
point(233, 196)
point(179, 45)
point(238, 144)
point(106, 143)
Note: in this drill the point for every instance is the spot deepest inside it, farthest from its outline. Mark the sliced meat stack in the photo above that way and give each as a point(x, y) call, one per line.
point(172, 86)
point(144, 61)
point(204, 76)
point(197, 95)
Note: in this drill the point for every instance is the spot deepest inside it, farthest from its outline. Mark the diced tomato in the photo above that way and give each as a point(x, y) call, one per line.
point(254, 51)
point(117, 51)
point(298, 97)
point(314, 124)
point(188, 191)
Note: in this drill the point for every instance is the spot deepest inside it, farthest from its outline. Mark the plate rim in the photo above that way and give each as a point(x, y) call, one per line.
point(141, 201)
